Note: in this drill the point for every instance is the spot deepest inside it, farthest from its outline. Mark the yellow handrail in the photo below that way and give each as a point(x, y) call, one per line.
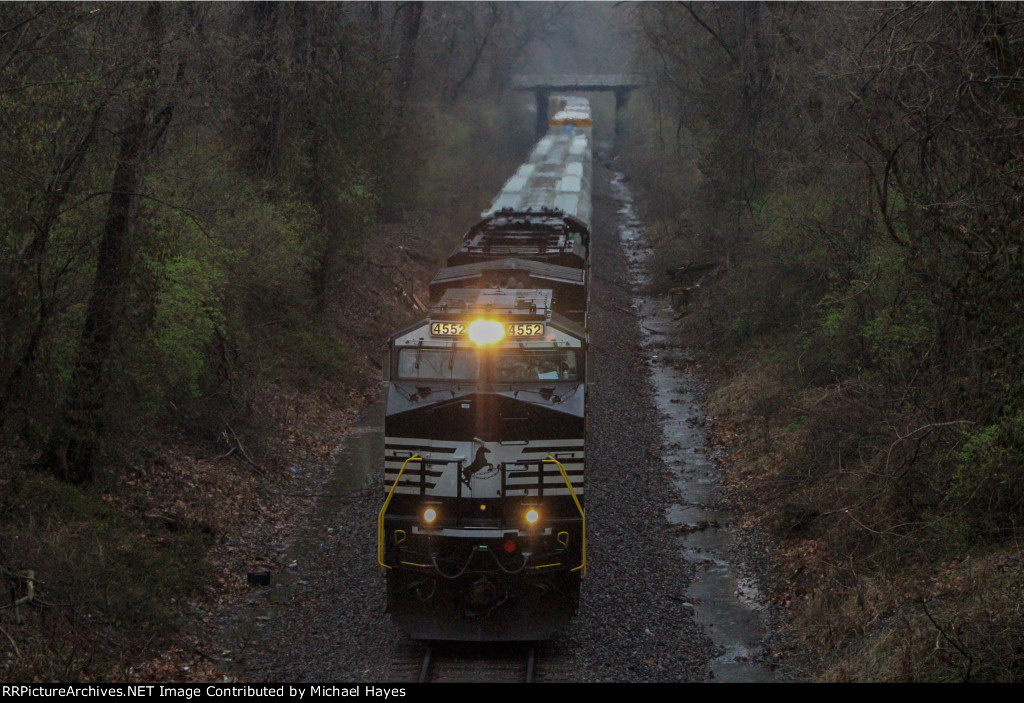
point(387, 502)
point(565, 477)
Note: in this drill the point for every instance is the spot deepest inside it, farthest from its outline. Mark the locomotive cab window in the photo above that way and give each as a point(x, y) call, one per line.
point(450, 364)
point(536, 365)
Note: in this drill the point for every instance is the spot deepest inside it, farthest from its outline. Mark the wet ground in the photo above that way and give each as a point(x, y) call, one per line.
point(357, 463)
point(726, 602)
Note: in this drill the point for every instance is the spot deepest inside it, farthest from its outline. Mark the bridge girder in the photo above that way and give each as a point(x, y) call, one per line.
point(543, 86)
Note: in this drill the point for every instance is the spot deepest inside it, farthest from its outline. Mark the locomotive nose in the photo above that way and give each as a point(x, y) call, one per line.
point(483, 593)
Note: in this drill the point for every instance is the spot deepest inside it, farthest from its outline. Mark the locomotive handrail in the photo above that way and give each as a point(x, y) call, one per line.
point(383, 510)
point(426, 463)
point(568, 483)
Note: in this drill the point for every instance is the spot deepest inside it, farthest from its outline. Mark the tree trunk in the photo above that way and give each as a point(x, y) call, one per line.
point(75, 440)
point(407, 51)
point(269, 94)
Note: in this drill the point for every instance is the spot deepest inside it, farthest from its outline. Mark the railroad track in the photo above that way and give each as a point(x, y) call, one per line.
point(465, 662)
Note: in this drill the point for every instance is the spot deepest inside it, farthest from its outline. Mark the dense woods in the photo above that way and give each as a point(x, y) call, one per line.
point(853, 170)
point(180, 178)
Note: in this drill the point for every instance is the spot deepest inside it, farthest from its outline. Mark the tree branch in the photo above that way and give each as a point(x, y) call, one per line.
point(688, 6)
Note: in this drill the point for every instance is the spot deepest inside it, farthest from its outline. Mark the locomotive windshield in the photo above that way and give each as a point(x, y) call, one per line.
point(451, 364)
point(505, 366)
point(540, 365)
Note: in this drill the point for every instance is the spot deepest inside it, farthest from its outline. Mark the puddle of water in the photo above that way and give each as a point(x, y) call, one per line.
point(726, 603)
point(361, 452)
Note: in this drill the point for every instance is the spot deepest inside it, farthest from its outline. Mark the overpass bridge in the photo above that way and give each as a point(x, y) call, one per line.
point(543, 86)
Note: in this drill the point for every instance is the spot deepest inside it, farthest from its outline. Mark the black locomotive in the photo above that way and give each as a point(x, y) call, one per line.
point(482, 535)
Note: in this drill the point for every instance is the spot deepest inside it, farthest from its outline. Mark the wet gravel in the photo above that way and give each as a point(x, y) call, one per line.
point(322, 618)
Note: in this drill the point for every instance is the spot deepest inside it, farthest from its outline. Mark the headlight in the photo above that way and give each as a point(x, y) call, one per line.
point(429, 515)
point(486, 331)
point(532, 516)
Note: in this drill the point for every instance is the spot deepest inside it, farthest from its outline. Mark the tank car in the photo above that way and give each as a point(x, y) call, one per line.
point(482, 535)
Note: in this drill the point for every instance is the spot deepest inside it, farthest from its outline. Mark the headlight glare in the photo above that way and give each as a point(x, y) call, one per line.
point(486, 331)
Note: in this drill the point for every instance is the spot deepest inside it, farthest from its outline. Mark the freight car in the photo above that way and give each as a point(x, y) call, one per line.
point(482, 535)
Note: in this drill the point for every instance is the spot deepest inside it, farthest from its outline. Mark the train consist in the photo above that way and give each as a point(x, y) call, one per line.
point(482, 535)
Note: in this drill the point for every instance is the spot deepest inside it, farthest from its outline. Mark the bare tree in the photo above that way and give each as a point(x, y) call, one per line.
point(76, 439)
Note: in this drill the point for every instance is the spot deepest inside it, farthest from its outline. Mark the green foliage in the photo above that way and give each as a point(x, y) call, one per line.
point(986, 489)
point(899, 335)
point(459, 167)
point(187, 314)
